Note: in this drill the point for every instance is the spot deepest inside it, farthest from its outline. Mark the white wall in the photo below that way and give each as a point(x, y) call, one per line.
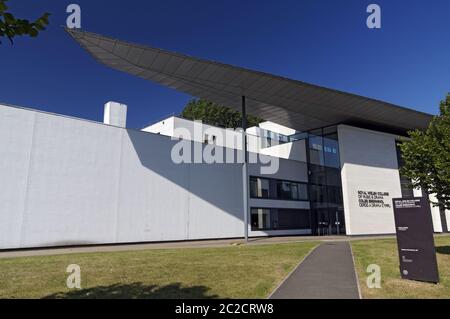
point(68, 182)
point(164, 127)
point(435, 212)
point(369, 163)
point(436, 215)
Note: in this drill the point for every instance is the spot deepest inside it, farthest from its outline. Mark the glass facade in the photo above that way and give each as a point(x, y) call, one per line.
point(323, 190)
point(325, 186)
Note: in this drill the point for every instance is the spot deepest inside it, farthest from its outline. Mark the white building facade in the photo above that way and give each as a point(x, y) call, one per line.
point(67, 181)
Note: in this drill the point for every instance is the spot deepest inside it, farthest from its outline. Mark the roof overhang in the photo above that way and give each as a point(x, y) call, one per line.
point(291, 103)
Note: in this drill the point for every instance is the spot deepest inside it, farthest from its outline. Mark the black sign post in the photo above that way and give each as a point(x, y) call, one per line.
point(415, 240)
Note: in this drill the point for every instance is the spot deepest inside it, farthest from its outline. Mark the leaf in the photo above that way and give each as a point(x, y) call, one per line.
point(33, 33)
point(9, 18)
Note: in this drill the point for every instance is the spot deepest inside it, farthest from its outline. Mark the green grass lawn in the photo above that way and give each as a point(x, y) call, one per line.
point(229, 272)
point(384, 253)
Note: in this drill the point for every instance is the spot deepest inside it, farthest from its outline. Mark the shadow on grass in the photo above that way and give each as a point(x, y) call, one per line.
point(444, 250)
point(136, 291)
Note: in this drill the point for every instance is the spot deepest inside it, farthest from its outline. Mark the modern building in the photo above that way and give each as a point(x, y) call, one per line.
point(69, 181)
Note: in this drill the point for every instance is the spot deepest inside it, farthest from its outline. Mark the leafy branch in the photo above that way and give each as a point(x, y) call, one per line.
point(10, 26)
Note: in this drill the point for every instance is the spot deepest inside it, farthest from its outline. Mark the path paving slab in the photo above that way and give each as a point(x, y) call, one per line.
point(327, 272)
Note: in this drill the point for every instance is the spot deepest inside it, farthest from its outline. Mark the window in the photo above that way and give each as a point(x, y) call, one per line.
point(206, 139)
point(293, 219)
point(324, 147)
point(253, 187)
point(316, 150)
point(260, 219)
point(291, 190)
point(259, 187)
point(331, 152)
point(283, 190)
point(407, 191)
point(280, 219)
point(277, 189)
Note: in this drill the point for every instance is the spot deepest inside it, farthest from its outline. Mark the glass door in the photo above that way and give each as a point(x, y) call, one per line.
point(337, 222)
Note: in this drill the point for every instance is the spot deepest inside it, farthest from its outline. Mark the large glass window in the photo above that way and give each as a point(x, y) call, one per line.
point(325, 180)
point(280, 219)
point(277, 189)
point(294, 219)
point(291, 191)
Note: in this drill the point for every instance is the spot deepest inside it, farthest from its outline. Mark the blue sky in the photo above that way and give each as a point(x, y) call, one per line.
point(407, 62)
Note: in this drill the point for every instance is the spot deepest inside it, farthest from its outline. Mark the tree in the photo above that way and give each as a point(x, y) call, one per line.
point(427, 156)
point(10, 26)
point(216, 115)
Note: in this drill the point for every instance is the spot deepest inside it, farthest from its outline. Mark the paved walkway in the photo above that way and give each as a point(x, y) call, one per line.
point(327, 272)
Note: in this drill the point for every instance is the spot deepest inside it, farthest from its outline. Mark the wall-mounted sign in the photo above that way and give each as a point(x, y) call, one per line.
point(415, 239)
point(374, 199)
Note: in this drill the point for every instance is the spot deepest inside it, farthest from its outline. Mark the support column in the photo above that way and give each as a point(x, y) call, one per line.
point(245, 168)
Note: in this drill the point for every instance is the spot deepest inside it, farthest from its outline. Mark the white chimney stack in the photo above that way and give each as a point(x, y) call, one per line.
point(115, 114)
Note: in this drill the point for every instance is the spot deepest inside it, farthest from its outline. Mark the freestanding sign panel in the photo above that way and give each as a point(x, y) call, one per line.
point(415, 239)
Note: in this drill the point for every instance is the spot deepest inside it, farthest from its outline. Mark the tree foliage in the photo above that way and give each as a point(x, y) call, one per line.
point(10, 26)
point(427, 156)
point(216, 115)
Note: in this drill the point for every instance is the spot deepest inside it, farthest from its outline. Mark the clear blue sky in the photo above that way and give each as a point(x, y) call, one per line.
point(327, 43)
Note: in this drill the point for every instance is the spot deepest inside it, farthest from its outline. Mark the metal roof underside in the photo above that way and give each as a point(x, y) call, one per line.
point(295, 104)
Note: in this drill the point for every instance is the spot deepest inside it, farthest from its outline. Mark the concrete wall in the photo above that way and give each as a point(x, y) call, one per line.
point(369, 164)
point(67, 182)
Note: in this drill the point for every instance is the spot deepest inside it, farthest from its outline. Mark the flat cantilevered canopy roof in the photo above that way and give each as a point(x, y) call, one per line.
point(292, 103)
